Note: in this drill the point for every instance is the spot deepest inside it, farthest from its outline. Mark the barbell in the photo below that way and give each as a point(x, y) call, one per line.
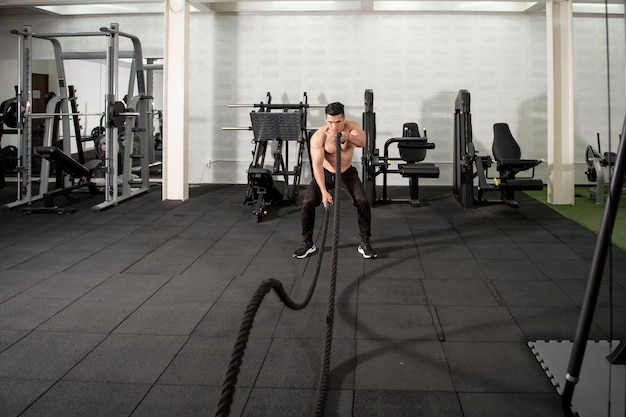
point(117, 114)
point(281, 106)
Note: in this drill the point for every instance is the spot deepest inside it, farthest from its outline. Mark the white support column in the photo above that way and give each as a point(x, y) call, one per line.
point(560, 102)
point(175, 103)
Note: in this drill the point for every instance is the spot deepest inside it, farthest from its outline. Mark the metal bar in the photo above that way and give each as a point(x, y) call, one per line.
point(595, 278)
point(281, 106)
point(237, 128)
point(49, 115)
point(94, 55)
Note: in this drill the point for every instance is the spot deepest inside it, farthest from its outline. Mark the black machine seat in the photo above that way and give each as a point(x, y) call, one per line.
point(508, 154)
point(412, 149)
point(509, 163)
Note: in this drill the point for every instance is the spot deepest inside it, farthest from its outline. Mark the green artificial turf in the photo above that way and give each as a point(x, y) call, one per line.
point(587, 213)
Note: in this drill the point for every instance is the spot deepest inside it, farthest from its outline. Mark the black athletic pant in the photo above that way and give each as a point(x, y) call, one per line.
point(353, 186)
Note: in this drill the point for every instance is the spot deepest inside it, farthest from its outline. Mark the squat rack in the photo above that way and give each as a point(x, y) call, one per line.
point(135, 121)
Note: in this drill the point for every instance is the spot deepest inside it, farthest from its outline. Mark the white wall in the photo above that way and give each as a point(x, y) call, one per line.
point(415, 63)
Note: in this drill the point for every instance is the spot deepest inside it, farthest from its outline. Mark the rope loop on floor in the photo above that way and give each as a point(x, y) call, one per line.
point(232, 373)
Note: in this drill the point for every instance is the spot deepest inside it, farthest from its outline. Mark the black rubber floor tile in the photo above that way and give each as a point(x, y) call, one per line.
point(496, 268)
point(612, 321)
point(281, 266)
point(383, 290)
point(89, 316)
point(14, 282)
point(547, 250)
point(607, 294)
point(296, 363)
point(100, 238)
point(584, 249)
point(395, 322)
point(310, 322)
point(46, 355)
point(205, 361)
point(388, 403)
point(394, 268)
point(273, 402)
point(528, 233)
point(70, 285)
point(173, 257)
point(80, 398)
point(17, 394)
point(338, 403)
point(483, 233)
point(188, 401)
point(401, 365)
point(550, 323)
point(199, 288)
point(123, 358)
point(400, 245)
point(461, 292)
point(457, 269)
point(128, 288)
point(158, 318)
point(225, 317)
point(137, 242)
point(8, 337)
point(225, 265)
point(425, 237)
point(495, 367)
point(346, 283)
point(123, 260)
point(510, 404)
point(48, 262)
point(448, 251)
point(556, 269)
point(498, 250)
point(532, 293)
point(243, 288)
point(478, 323)
point(27, 313)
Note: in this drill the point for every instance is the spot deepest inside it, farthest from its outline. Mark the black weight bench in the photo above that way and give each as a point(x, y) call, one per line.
point(73, 168)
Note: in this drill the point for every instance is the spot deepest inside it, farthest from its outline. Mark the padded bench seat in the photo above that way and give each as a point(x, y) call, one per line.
point(422, 170)
point(522, 184)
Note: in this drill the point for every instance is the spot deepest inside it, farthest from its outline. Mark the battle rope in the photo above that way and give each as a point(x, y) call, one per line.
point(230, 380)
point(322, 388)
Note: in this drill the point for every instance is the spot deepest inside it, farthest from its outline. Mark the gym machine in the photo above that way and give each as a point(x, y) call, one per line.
point(280, 184)
point(598, 165)
point(412, 149)
point(468, 164)
point(133, 120)
point(8, 154)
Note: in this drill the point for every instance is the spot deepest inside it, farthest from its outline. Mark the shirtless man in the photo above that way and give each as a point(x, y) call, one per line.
point(323, 151)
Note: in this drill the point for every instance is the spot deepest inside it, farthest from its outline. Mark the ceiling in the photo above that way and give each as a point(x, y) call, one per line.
point(99, 7)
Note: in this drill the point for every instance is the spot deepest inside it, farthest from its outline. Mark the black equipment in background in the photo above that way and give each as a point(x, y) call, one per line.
point(273, 131)
point(468, 164)
point(412, 151)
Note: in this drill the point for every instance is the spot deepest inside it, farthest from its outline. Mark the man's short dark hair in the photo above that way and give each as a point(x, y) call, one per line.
point(335, 109)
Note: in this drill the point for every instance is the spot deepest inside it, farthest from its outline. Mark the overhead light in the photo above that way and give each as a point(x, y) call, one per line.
point(285, 6)
point(597, 8)
point(454, 6)
point(107, 9)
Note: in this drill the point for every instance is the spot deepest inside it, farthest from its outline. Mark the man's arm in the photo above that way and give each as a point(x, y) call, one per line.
point(317, 153)
point(355, 135)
